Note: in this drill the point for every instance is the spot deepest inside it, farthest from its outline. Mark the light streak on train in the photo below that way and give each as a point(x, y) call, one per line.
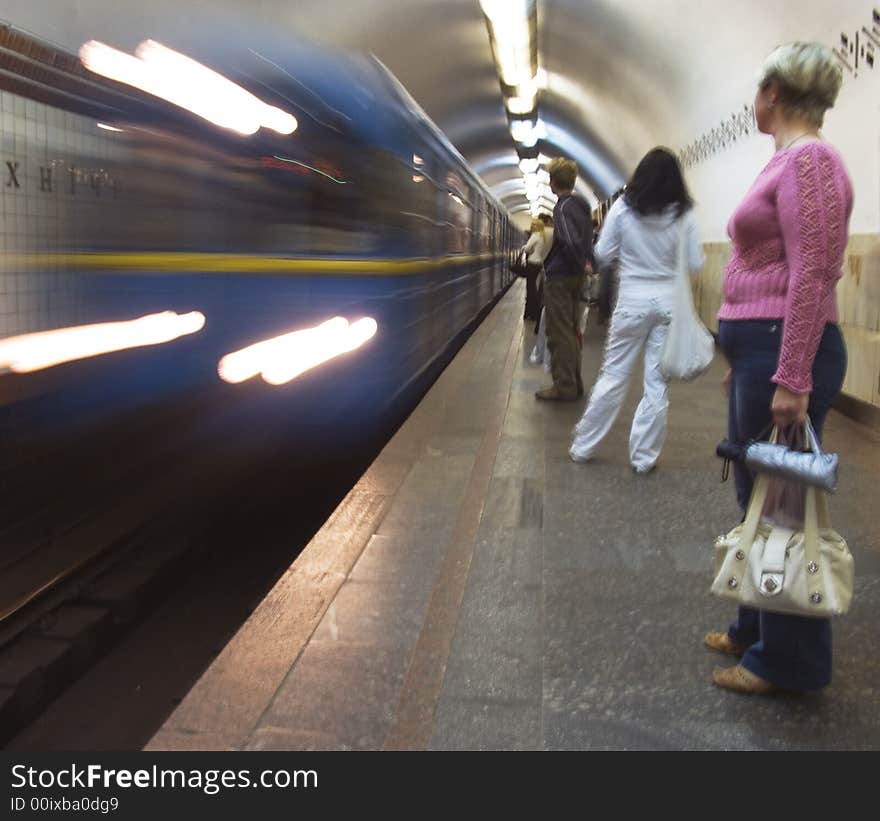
point(285, 357)
point(36, 351)
point(179, 79)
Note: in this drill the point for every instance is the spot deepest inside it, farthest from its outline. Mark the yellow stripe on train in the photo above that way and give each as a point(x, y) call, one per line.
point(238, 263)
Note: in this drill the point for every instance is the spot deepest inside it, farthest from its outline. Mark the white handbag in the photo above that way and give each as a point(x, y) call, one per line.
point(689, 347)
point(806, 572)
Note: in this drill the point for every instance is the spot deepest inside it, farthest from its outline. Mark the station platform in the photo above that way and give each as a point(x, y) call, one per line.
point(478, 590)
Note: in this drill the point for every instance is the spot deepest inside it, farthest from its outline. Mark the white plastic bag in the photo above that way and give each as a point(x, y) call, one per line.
point(689, 347)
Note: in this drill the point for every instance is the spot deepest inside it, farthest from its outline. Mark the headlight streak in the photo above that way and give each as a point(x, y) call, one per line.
point(285, 357)
point(34, 352)
point(180, 80)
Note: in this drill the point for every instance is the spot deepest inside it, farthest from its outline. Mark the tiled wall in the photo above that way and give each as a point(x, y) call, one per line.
point(38, 206)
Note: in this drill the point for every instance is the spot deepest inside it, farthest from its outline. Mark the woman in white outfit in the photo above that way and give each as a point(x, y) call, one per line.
point(642, 233)
point(536, 249)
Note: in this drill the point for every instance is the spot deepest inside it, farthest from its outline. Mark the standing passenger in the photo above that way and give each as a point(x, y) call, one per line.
point(540, 355)
point(548, 244)
point(778, 329)
point(536, 250)
point(564, 275)
point(642, 232)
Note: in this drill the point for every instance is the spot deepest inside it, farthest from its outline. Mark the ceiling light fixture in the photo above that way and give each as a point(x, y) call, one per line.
point(513, 28)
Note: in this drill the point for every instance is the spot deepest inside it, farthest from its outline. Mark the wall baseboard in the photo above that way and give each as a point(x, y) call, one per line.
point(860, 411)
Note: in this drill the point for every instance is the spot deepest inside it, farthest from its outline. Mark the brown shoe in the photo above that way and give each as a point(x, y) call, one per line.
point(553, 395)
point(722, 643)
point(741, 680)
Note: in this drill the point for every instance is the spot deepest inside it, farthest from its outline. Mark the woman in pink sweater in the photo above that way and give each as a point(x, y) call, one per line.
point(778, 329)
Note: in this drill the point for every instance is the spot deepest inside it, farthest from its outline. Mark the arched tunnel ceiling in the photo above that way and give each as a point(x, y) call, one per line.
point(616, 73)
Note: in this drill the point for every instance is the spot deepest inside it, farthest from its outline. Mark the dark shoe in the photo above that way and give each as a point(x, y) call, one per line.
point(722, 642)
point(741, 680)
point(553, 395)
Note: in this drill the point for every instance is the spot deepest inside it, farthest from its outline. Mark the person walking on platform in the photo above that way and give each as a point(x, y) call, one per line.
point(641, 233)
point(536, 250)
point(778, 329)
point(563, 278)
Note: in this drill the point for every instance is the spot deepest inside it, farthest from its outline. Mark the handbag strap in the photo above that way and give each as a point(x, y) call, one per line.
point(756, 505)
point(810, 438)
point(821, 514)
point(753, 514)
point(815, 509)
point(811, 528)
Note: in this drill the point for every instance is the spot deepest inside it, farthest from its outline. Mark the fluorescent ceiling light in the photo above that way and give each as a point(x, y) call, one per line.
point(502, 9)
point(521, 130)
point(509, 21)
point(528, 166)
point(520, 105)
point(527, 133)
point(531, 85)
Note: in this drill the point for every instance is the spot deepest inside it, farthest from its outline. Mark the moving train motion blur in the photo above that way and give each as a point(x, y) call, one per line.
point(189, 295)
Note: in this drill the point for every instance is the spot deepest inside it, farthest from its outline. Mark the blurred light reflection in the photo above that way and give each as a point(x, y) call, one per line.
point(166, 73)
point(285, 357)
point(33, 352)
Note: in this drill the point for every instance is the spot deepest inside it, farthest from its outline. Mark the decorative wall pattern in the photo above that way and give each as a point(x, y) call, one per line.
point(739, 124)
point(856, 53)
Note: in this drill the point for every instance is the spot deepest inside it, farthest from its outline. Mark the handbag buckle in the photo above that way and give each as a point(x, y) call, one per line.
point(771, 583)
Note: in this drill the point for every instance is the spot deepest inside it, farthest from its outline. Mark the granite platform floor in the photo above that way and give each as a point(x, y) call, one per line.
point(478, 590)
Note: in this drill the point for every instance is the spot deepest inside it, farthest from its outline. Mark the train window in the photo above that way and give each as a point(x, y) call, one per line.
point(485, 229)
point(402, 204)
point(458, 215)
point(417, 205)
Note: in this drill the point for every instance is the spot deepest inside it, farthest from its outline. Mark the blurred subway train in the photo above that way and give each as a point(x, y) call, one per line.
point(214, 257)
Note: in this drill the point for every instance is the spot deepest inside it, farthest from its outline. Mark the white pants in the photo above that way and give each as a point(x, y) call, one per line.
point(541, 353)
point(637, 322)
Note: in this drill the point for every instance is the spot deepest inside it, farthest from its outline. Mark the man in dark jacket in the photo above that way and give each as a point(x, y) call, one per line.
point(564, 276)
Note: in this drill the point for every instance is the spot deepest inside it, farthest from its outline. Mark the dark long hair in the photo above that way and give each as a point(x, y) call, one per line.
point(656, 183)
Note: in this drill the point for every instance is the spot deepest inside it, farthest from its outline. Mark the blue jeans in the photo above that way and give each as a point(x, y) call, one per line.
point(793, 652)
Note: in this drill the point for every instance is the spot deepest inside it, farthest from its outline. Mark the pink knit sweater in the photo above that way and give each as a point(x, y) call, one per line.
point(789, 236)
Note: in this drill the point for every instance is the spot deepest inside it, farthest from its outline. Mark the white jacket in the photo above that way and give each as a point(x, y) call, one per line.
point(646, 246)
point(538, 246)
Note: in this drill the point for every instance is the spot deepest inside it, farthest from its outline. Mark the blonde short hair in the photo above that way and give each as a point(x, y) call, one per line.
point(563, 172)
point(537, 225)
point(809, 78)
